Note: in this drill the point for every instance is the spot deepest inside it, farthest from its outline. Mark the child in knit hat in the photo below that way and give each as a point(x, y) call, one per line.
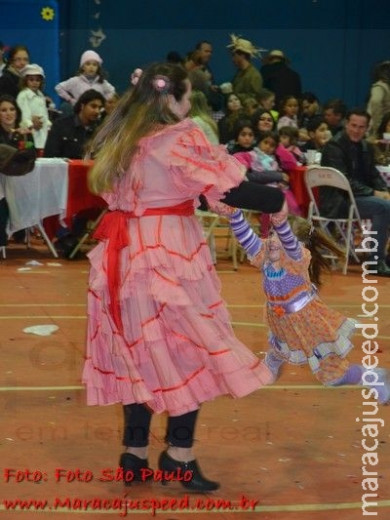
point(90, 75)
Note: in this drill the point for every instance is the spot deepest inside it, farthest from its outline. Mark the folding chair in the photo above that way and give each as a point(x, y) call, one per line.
point(317, 176)
point(212, 225)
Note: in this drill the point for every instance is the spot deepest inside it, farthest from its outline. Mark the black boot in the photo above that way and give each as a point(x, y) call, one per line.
point(187, 473)
point(134, 469)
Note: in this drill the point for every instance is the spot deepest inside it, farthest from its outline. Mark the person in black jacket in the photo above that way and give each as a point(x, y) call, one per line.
point(351, 154)
point(69, 135)
point(18, 58)
point(278, 77)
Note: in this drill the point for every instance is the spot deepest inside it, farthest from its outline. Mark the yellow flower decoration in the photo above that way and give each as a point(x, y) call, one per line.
point(47, 13)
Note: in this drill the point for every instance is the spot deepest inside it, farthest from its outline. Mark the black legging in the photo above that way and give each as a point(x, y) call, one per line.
point(180, 429)
point(3, 221)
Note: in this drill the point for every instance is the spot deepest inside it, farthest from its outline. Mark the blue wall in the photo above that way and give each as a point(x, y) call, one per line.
point(34, 24)
point(333, 44)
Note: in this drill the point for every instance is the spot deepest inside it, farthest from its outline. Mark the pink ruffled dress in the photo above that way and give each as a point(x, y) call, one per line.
point(177, 348)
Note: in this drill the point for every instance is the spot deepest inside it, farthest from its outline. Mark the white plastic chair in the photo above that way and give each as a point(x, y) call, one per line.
point(317, 176)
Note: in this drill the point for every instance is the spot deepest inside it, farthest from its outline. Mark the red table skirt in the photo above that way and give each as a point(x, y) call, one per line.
point(80, 199)
point(298, 187)
point(79, 196)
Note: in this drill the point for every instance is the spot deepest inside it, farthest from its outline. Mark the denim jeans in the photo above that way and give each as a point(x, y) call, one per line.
point(378, 211)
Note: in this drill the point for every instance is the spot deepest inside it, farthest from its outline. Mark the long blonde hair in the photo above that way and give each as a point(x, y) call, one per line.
point(140, 112)
point(201, 109)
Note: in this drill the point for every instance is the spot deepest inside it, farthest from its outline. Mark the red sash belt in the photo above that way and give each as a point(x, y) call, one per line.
point(113, 227)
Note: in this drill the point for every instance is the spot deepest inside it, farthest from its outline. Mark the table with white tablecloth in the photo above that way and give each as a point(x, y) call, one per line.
point(36, 195)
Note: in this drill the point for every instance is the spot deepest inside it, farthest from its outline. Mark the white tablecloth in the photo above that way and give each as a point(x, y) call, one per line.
point(36, 195)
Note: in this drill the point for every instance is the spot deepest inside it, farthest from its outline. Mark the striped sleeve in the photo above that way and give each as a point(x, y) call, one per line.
point(289, 241)
point(245, 234)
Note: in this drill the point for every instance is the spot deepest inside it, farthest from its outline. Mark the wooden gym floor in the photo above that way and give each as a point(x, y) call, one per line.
point(291, 451)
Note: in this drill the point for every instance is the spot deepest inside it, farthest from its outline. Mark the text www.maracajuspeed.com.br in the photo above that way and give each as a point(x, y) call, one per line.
point(125, 505)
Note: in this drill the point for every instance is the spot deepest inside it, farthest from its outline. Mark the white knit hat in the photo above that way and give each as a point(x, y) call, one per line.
point(90, 56)
point(32, 70)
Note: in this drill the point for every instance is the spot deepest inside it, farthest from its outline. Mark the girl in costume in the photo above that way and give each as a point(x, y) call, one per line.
point(302, 328)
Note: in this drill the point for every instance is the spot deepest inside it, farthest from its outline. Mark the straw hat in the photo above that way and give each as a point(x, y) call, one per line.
point(239, 44)
point(276, 53)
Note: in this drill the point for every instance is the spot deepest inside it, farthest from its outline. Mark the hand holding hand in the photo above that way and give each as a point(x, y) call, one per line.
point(279, 218)
point(221, 209)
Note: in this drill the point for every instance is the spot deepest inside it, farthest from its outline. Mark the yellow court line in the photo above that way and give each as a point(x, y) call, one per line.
point(268, 387)
point(288, 508)
point(38, 388)
point(254, 305)
point(230, 306)
point(84, 317)
point(44, 317)
point(21, 305)
point(293, 508)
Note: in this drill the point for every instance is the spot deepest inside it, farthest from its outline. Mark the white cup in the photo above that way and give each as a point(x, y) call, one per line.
point(311, 156)
point(386, 136)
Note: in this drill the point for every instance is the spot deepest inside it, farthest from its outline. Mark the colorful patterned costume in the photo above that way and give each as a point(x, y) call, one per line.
point(302, 328)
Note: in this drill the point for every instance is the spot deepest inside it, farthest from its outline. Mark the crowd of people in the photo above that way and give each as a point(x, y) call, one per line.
point(159, 336)
point(266, 103)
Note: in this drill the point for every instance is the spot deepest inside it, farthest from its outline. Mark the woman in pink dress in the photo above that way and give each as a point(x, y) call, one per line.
point(159, 334)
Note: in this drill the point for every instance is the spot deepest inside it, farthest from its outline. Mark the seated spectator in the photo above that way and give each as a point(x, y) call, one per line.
point(334, 115)
point(69, 135)
point(13, 135)
point(263, 167)
point(310, 107)
point(18, 58)
point(350, 153)
point(109, 105)
point(318, 133)
point(200, 113)
point(243, 137)
point(233, 112)
point(266, 100)
point(288, 137)
point(288, 112)
point(263, 121)
point(68, 138)
point(250, 105)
